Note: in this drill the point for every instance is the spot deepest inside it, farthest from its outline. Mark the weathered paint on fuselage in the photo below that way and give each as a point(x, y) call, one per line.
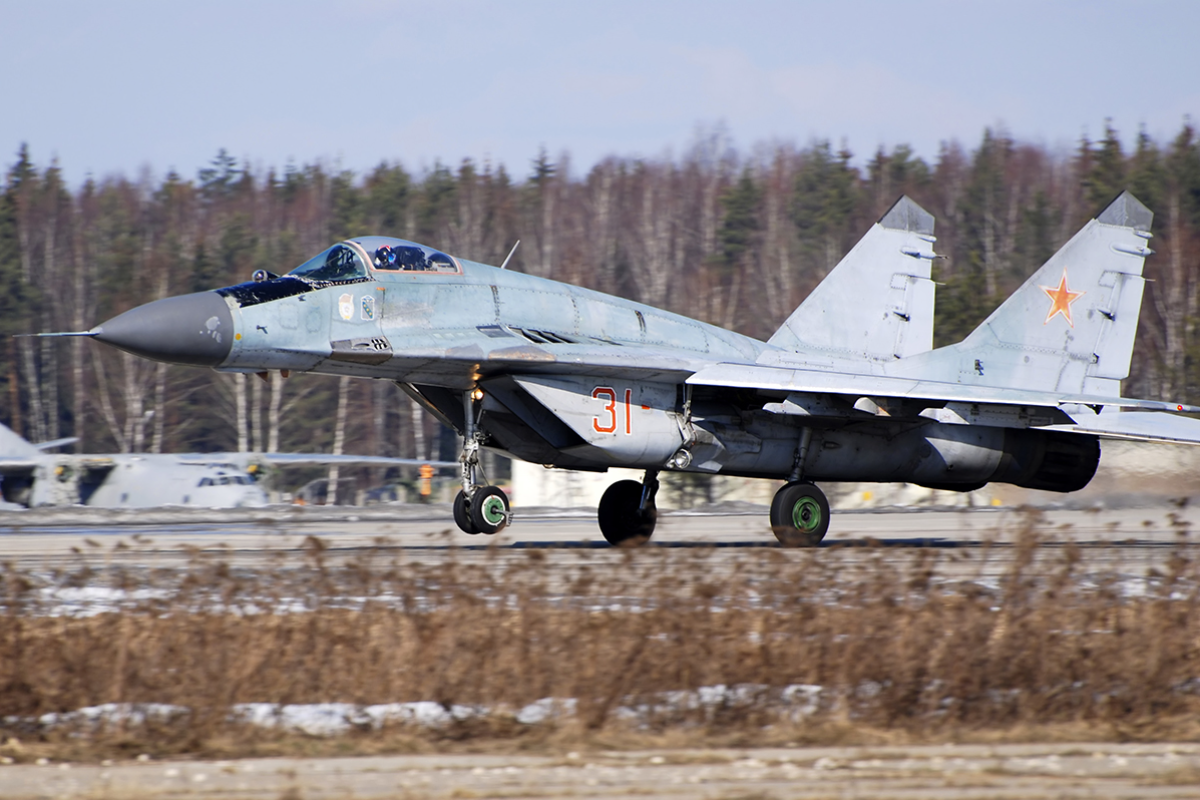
point(450, 330)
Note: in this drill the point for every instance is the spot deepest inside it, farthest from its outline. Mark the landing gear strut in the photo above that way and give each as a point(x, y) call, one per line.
point(800, 515)
point(800, 511)
point(478, 508)
point(627, 513)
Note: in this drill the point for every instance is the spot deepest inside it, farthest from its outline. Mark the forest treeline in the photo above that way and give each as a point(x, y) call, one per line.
point(735, 239)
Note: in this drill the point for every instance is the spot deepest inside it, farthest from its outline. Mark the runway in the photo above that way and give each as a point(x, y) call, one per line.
point(946, 772)
point(1129, 540)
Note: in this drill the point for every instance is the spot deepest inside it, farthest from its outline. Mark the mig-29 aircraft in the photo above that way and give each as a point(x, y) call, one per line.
point(848, 389)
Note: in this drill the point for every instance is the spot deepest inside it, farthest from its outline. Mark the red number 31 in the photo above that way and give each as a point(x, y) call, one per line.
point(609, 415)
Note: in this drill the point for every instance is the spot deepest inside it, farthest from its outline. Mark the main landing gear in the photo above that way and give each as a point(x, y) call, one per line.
point(627, 513)
point(800, 515)
point(800, 511)
point(477, 508)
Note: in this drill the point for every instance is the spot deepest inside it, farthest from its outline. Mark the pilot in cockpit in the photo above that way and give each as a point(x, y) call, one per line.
point(385, 258)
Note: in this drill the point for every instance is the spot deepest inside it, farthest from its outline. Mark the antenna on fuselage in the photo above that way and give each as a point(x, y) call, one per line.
point(510, 254)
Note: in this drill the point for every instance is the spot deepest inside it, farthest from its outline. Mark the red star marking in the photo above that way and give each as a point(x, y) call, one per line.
point(1061, 299)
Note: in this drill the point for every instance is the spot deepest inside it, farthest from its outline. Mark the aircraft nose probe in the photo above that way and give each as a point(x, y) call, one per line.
point(195, 329)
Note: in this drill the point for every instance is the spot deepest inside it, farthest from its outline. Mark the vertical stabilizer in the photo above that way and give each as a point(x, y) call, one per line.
point(1070, 327)
point(878, 301)
point(14, 447)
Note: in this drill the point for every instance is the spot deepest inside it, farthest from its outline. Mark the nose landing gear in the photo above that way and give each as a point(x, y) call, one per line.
point(478, 508)
point(627, 513)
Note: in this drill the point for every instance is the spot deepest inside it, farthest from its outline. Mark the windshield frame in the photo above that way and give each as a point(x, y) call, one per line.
point(361, 274)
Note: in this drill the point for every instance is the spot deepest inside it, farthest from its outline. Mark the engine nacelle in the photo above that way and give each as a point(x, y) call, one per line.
point(933, 454)
point(1048, 460)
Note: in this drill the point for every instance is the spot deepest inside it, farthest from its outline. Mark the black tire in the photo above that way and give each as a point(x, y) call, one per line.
point(800, 515)
point(489, 509)
point(621, 522)
point(462, 514)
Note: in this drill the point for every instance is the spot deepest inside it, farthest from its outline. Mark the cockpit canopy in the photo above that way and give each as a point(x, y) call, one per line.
point(348, 260)
point(387, 253)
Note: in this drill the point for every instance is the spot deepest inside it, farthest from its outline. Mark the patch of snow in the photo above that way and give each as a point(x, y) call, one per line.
point(548, 708)
point(330, 719)
point(113, 714)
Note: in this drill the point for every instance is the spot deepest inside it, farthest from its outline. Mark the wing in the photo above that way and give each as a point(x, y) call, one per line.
point(846, 397)
point(310, 459)
point(243, 460)
point(788, 381)
point(43, 446)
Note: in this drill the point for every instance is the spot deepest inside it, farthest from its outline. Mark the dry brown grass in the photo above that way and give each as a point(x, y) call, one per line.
point(901, 656)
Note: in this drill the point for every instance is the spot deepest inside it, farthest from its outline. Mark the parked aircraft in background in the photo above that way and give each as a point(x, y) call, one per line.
point(848, 389)
point(30, 476)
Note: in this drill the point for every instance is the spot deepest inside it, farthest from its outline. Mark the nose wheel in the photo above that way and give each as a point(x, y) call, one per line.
point(477, 508)
point(462, 514)
point(800, 515)
point(485, 511)
point(627, 513)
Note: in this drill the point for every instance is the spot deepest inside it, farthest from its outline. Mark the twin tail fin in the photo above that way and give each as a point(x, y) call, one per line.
point(1070, 327)
point(877, 302)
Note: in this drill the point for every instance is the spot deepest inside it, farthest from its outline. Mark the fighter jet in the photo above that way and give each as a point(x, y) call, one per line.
point(32, 477)
point(848, 389)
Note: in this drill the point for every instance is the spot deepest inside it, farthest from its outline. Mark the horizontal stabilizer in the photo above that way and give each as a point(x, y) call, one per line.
point(878, 301)
point(1139, 426)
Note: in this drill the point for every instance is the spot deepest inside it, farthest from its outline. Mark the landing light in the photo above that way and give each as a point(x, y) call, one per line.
point(477, 394)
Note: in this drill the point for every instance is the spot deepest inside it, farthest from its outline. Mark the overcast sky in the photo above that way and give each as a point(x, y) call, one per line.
point(112, 87)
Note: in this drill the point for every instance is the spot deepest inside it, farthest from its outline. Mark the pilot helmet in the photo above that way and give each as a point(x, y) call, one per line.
point(385, 256)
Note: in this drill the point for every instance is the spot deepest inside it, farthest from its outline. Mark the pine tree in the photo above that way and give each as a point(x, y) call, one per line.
point(1147, 174)
point(389, 192)
point(219, 179)
point(1105, 178)
point(739, 228)
point(823, 204)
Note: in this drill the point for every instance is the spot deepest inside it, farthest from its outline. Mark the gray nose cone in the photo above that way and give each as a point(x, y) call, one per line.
point(194, 329)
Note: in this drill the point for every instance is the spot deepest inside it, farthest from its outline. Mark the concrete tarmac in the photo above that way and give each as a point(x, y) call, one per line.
point(971, 543)
point(1153, 772)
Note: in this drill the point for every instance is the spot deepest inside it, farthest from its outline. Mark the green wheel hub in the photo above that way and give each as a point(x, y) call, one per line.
point(806, 514)
point(493, 510)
